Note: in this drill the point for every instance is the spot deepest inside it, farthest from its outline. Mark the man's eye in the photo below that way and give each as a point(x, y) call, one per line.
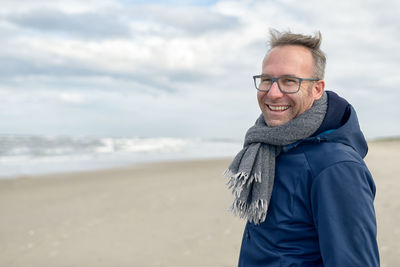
point(266, 80)
point(288, 81)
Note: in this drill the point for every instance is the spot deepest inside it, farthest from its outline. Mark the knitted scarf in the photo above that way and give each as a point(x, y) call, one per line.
point(251, 173)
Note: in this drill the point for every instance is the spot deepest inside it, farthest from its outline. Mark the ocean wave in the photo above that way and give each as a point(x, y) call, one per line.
point(41, 146)
point(38, 154)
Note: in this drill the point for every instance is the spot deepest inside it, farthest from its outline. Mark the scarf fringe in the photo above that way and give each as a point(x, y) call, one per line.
point(239, 180)
point(256, 212)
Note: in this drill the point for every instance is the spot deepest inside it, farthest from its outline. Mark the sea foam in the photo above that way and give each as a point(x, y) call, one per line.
point(39, 154)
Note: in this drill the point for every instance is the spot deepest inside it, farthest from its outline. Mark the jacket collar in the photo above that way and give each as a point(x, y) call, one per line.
point(339, 125)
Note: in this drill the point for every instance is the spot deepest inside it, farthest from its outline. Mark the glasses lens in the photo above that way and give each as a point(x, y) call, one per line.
point(289, 84)
point(263, 83)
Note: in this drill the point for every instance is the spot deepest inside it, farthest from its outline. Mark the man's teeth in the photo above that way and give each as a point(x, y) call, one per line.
point(278, 108)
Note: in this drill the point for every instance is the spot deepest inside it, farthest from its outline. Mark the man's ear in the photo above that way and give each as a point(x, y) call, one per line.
point(318, 89)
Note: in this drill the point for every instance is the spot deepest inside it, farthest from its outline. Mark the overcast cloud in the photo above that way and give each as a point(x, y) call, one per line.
point(181, 68)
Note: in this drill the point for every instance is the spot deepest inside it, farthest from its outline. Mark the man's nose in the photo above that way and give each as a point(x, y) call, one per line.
point(274, 91)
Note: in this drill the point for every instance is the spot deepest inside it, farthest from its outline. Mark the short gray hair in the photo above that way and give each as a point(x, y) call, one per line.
point(312, 43)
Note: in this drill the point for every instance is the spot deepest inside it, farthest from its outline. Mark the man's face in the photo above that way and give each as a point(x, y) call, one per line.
point(279, 108)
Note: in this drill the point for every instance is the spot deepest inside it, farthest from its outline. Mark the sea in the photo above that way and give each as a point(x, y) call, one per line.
point(30, 155)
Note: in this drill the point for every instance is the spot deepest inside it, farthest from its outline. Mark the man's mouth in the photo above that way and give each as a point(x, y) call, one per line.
point(277, 108)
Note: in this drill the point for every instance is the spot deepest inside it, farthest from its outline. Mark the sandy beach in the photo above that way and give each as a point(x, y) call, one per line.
point(164, 214)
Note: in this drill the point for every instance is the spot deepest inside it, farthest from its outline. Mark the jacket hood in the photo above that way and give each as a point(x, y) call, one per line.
point(341, 125)
point(349, 134)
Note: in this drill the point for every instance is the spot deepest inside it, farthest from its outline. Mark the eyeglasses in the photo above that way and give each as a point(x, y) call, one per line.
point(286, 84)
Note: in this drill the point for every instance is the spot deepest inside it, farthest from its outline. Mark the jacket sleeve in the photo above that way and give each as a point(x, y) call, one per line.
point(342, 198)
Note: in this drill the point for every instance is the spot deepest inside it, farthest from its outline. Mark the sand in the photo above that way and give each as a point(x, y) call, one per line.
point(165, 214)
point(383, 161)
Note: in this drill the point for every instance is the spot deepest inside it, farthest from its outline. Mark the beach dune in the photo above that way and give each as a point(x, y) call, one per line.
point(159, 214)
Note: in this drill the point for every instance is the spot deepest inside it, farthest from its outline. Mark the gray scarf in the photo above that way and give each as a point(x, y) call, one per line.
point(252, 171)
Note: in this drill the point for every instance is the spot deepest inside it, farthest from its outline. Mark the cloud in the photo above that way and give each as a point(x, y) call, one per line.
point(74, 98)
point(122, 22)
point(83, 25)
point(188, 21)
point(68, 6)
point(182, 67)
point(169, 3)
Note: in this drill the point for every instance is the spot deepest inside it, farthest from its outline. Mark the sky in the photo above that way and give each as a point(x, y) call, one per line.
point(182, 68)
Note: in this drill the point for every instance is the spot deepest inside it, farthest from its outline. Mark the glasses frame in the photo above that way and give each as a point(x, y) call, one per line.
point(276, 79)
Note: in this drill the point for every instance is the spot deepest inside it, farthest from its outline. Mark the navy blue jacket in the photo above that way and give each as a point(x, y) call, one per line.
point(321, 211)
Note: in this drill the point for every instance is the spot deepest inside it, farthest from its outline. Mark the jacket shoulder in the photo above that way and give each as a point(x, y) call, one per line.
point(325, 154)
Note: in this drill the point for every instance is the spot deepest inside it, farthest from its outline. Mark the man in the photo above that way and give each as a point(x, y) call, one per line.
point(300, 180)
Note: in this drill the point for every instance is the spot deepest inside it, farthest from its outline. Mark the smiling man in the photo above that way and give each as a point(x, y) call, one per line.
point(300, 180)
